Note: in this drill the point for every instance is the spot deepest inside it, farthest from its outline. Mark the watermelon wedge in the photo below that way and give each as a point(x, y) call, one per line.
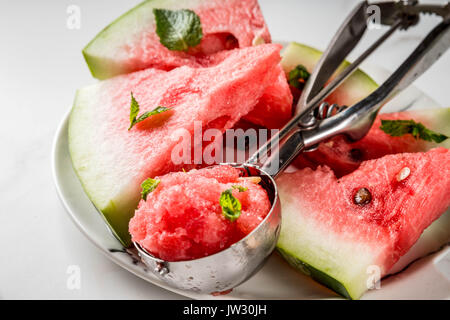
point(130, 43)
point(112, 161)
point(335, 236)
point(344, 157)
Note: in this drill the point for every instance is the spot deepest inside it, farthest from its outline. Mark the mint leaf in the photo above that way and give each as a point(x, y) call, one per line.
point(397, 128)
point(147, 114)
point(134, 110)
point(240, 188)
point(231, 207)
point(298, 76)
point(178, 30)
point(148, 186)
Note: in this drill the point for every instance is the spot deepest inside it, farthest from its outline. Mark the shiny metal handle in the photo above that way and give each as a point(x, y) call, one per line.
point(356, 121)
point(283, 156)
point(340, 46)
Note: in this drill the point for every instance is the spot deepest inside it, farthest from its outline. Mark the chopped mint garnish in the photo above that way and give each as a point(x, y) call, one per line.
point(397, 128)
point(231, 207)
point(298, 76)
point(240, 188)
point(178, 30)
point(134, 110)
point(148, 186)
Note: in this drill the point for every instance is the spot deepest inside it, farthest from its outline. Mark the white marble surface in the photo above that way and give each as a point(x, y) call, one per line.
point(40, 68)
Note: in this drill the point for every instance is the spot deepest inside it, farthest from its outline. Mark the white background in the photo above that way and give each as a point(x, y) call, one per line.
point(41, 66)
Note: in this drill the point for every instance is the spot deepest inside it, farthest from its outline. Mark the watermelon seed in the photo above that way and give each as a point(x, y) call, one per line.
point(362, 196)
point(403, 174)
point(257, 41)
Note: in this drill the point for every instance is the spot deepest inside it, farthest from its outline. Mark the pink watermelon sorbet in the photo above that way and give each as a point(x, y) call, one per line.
point(182, 218)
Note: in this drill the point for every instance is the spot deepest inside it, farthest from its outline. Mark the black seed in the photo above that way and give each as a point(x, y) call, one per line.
point(362, 196)
point(356, 154)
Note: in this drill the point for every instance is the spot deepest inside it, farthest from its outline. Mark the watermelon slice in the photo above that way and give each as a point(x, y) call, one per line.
point(331, 238)
point(130, 43)
point(344, 157)
point(111, 161)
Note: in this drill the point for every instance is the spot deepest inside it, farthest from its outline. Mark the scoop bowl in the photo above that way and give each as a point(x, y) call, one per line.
point(232, 266)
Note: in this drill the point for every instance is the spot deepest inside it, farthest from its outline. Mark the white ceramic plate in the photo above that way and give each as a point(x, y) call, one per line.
point(423, 273)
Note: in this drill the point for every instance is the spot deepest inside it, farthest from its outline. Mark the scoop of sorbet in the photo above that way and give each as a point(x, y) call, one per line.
point(182, 218)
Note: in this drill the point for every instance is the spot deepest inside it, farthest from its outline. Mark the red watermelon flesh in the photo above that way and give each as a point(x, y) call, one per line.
point(344, 157)
point(111, 161)
point(274, 109)
point(335, 240)
point(130, 43)
point(182, 218)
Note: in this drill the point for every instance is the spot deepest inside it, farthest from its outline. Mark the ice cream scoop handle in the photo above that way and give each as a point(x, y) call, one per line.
point(282, 156)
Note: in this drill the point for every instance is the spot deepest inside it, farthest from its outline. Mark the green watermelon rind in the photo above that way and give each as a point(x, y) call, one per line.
point(314, 273)
point(107, 211)
point(96, 64)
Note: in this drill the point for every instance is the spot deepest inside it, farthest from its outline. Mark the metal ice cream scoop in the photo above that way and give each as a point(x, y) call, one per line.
point(314, 122)
point(230, 267)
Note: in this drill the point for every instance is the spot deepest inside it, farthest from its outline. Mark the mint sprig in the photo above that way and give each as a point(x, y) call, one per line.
point(178, 30)
point(134, 111)
point(298, 76)
point(148, 186)
point(398, 128)
point(231, 207)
